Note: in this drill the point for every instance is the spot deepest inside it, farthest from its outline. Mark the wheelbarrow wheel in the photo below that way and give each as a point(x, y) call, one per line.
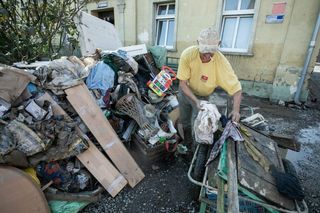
point(200, 162)
point(289, 167)
point(199, 168)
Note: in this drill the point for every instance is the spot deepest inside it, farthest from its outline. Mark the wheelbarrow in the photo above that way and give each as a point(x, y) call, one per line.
point(215, 199)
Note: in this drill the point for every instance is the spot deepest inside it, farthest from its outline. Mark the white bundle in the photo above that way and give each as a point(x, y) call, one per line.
point(206, 123)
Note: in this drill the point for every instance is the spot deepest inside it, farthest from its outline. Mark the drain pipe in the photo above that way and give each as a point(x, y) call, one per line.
point(121, 7)
point(307, 61)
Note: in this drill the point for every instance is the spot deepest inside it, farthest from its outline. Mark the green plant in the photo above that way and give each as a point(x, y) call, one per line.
point(30, 29)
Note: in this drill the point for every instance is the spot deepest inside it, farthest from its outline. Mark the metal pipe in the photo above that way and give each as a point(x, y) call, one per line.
point(307, 61)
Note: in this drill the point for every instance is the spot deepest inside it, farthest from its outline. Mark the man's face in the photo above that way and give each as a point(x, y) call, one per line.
point(206, 57)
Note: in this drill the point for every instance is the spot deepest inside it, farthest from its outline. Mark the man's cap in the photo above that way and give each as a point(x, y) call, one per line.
point(208, 40)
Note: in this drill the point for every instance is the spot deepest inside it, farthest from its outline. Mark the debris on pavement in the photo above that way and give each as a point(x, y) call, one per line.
point(66, 111)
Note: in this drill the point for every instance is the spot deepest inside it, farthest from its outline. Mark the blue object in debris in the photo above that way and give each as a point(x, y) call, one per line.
point(32, 88)
point(101, 77)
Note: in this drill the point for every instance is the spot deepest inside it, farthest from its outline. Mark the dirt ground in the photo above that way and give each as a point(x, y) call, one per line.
point(166, 187)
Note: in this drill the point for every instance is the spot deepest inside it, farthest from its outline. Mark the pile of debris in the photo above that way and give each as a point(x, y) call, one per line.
point(67, 120)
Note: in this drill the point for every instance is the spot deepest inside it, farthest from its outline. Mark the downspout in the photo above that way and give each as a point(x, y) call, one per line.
point(121, 7)
point(307, 61)
point(136, 23)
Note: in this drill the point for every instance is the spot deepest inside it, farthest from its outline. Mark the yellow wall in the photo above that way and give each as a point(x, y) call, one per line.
point(278, 50)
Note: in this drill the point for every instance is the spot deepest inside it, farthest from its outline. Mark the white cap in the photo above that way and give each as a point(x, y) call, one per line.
point(208, 40)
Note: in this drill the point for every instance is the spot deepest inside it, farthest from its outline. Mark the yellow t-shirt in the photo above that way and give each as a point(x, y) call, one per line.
point(203, 78)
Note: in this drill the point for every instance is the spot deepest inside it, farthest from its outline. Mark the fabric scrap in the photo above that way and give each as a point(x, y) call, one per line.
point(230, 130)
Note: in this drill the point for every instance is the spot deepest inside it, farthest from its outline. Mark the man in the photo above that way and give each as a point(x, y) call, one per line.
point(202, 68)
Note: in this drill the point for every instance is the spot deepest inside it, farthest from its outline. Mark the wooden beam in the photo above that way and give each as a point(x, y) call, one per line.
point(286, 141)
point(81, 100)
point(233, 199)
point(283, 140)
point(97, 164)
point(220, 199)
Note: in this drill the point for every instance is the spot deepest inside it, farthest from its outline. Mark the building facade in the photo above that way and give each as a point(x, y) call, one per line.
point(266, 41)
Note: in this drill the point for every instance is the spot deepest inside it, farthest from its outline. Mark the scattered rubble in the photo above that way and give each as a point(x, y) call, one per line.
point(47, 120)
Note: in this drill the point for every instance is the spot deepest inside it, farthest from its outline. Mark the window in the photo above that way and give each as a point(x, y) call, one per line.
point(237, 22)
point(165, 24)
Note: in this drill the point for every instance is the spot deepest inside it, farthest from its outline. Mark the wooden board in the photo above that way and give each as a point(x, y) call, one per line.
point(98, 165)
point(233, 198)
point(19, 193)
point(81, 100)
point(253, 177)
point(12, 82)
point(283, 140)
point(102, 169)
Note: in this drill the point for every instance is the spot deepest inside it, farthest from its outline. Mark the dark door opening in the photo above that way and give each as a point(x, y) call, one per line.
point(107, 15)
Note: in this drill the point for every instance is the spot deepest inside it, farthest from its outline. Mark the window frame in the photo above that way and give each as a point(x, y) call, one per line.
point(239, 13)
point(166, 18)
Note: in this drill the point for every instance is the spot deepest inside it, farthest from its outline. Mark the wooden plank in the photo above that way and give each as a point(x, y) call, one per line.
point(283, 140)
point(220, 199)
point(98, 165)
point(286, 141)
point(253, 177)
point(103, 170)
point(233, 199)
point(81, 100)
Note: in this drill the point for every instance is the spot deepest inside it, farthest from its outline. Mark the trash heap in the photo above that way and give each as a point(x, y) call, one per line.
point(44, 131)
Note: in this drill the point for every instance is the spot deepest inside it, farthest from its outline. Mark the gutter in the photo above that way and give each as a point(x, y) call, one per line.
point(307, 61)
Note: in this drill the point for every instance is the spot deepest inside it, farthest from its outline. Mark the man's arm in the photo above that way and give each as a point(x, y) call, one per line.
point(187, 91)
point(235, 113)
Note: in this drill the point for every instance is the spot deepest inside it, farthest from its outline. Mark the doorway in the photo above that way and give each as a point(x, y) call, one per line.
point(105, 14)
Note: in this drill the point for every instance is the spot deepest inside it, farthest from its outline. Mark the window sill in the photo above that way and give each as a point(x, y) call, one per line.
point(249, 54)
point(172, 50)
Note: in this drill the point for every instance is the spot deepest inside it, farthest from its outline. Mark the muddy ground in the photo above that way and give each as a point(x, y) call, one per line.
point(166, 187)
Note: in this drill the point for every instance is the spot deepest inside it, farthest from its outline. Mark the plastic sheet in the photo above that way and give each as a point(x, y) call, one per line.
point(66, 206)
point(159, 54)
point(101, 77)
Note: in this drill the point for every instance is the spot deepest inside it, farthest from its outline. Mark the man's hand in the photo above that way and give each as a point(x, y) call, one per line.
point(198, 105)
point(235, 116)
